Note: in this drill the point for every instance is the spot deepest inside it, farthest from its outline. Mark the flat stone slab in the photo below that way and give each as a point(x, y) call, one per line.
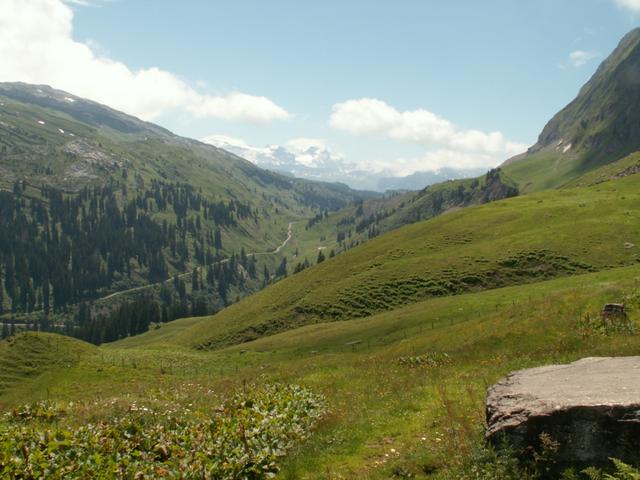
point(591, 407)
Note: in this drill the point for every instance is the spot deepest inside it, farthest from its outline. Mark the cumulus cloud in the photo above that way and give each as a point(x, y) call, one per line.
point(37, 46)
point(238, 106)
point(434, 161)
point(633, 5)
point(578, 58)
point(373, 117)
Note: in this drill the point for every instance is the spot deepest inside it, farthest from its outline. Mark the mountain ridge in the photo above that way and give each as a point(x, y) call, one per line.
point(601, 125)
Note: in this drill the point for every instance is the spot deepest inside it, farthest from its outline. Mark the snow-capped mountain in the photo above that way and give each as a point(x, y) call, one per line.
point(313, 159)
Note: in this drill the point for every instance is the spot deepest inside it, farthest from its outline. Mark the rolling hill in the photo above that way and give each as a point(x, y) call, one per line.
point(514, 241)
point(404, 387)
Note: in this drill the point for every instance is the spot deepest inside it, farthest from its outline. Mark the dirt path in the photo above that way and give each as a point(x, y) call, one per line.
point(144, 287)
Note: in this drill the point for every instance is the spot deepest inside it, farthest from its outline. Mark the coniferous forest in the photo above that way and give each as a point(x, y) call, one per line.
point(61, 251)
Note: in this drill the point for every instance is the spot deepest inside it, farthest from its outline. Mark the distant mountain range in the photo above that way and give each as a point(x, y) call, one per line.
point(313, 160)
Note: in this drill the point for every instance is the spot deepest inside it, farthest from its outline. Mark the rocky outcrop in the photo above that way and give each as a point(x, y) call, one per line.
point(590, 407)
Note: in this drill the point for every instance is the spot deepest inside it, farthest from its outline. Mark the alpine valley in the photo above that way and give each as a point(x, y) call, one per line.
point(185, 313)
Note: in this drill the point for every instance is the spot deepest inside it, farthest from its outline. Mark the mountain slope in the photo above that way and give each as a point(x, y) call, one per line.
point(514, 241)
point(95, 202)
point(601, 125)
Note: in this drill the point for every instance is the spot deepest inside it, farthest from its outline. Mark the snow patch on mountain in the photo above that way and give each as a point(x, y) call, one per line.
point(313, 159)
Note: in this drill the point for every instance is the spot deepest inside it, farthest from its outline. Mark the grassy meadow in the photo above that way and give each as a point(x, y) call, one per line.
point(385, 417)
point(397, 339)
point(516, 241)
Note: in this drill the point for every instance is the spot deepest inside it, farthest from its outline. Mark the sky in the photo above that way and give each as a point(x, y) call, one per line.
point(392, 87)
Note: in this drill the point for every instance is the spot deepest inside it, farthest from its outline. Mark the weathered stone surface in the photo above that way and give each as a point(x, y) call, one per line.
point(591, 407)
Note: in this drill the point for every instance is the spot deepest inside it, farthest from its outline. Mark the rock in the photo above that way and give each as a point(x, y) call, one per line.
point(591, 407)
point(615, 310)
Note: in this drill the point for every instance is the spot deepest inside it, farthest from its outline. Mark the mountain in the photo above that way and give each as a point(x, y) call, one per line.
point(98, 205)
point(373, 363)
point(601, 125)
point(312, 159)
point(398, 338)
point(515, 241)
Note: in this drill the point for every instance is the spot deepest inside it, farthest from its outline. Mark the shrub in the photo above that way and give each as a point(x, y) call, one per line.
point(242, 439)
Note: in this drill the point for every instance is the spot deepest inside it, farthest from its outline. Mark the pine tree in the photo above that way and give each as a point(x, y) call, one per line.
point(320, 258)
point(195, 284)
point(266, 275)
point(218, 239)
point(281, 271)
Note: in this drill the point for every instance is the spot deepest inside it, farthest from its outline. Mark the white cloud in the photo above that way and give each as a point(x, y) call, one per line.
point(36, 46)
point(578, 58)
point(432, 162)
point(373, 117)
point(239, 106)
point(303, 144)
point(633, 5)
point(370, 116)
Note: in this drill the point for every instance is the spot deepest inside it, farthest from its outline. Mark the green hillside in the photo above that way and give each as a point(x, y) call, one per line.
point(27, 356)
point(399, 336)
point(404, 389)
point(336, 232)
point(317, 333)
point(134, 206)
point(514, 241)
point(598, 127)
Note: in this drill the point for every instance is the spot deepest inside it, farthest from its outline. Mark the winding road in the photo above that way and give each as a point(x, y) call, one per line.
point(144, 287)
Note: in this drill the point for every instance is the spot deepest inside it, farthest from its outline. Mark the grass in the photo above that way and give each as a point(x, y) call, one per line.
point(38, 154)
point(520, 240)
point(29, 355)
point(385, 416)
point(401, 335)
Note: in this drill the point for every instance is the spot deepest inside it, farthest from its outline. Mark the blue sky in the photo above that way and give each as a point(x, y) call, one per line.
point(492, 66)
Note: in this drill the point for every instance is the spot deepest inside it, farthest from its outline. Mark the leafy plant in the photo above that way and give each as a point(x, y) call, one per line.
point(243, 439)
point(429, 360)
point(622, 472)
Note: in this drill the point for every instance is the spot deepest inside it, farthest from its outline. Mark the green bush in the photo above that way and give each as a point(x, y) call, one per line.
point(242, 439)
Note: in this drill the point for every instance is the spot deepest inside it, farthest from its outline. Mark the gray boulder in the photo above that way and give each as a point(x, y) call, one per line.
point(590, 407)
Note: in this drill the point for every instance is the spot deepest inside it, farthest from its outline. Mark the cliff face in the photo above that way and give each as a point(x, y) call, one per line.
point(601, 125)
point(604, 119)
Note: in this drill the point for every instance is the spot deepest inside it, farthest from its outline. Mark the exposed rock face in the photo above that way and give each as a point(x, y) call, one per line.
point(591, 407)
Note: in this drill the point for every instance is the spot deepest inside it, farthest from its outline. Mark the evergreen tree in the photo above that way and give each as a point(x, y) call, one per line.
point(281, 271)
point(218, 239)
point(320, 258)
point(266, 275)
point(195, 284)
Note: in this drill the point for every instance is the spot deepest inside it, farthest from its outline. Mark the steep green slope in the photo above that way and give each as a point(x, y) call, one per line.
point(133, 205)
point(600, 126)
point(53, 138)
point(519, 240)
point(629, 165)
